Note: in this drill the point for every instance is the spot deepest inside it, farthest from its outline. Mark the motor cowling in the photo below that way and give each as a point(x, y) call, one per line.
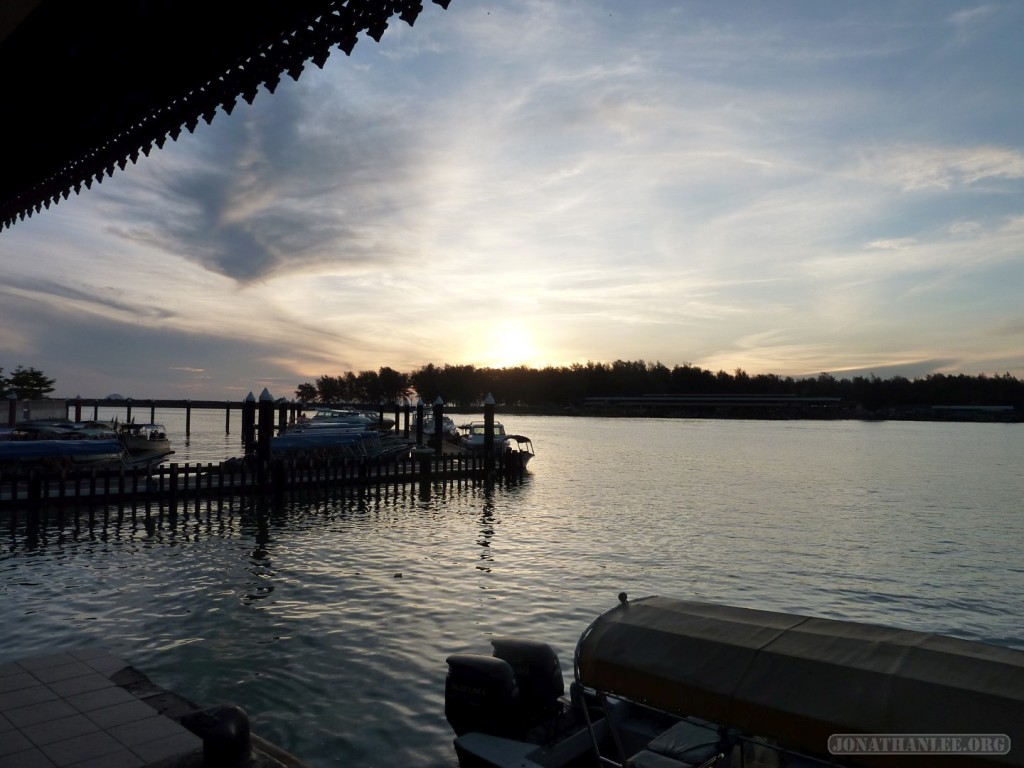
point(537, 673)
point(480, 694)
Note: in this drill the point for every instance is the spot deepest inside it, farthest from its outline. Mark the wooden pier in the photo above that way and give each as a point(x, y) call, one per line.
point(174, 483)
point(408, 460)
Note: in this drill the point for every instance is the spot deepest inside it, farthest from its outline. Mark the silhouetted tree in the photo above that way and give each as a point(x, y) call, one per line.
point(27, 383)
point(306, 393)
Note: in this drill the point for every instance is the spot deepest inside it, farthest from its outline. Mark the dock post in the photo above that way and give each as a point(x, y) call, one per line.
point(282, 417)
point(227, 417)
point(227, 740)
point(398, 415)
point(188, 418)
point(419, 421)
point(128, 412)
point(249, 423)
point(152, 412)
point(489, 432)
point(78, 409)
point(425, 458)
point(438, 438)
point(408, 417)
point(266, 427)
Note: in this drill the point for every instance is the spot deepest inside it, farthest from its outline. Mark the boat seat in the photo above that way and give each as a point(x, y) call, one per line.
point(647, 759)
point(687, 742)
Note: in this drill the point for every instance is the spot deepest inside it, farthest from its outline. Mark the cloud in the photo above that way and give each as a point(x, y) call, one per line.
point(917, 168)
point(893, 244)
point(269, 190)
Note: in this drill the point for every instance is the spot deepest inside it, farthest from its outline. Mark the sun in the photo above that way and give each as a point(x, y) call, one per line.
point(508, 345)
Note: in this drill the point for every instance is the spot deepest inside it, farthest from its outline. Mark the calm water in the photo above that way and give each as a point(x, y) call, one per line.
point(329, 621)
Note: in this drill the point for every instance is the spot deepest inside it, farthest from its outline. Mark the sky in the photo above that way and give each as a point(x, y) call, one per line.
point(788, 187)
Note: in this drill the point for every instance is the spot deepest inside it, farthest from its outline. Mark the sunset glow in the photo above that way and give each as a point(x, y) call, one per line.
point(544, 183)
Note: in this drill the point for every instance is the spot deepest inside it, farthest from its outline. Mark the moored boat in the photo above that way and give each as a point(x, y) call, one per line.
point(336, 440)
point(56, 444)
point(449, 430)
point(667, 683)
point(21, 455)
point(147, 445)
point(346, 417)
point(473, 437)
point(523, 448)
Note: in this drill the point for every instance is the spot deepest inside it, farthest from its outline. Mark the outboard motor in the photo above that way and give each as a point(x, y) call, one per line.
point(538, 676)
point(480, 694)
point(504, 694)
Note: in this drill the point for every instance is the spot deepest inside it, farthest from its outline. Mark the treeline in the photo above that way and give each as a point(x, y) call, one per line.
point(465, 386)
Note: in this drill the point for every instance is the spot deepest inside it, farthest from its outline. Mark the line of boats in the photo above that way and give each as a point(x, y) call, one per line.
point(350, 432)
point(61, 444)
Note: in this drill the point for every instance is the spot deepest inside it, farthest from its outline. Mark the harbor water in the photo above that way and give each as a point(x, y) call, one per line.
point(329, 619)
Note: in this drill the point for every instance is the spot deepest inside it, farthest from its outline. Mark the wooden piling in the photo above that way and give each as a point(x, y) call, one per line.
point(249, 424)
point(419, 422)
point(265, 428)
point(489, 431)
point(438, 438)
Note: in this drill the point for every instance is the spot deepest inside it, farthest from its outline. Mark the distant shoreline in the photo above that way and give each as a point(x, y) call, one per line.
point(836, 411)
point(920, 413)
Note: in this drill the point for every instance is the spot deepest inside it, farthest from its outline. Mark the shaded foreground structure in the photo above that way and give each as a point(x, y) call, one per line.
point(88, 87)
point(84, 706)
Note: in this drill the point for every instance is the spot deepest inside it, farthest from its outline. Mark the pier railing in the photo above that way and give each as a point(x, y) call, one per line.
point(245, 477)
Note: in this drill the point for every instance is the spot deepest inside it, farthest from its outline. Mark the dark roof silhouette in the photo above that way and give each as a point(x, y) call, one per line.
point(87, 87)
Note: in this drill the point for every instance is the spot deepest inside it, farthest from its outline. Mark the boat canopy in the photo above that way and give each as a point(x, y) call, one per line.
point(798, 680)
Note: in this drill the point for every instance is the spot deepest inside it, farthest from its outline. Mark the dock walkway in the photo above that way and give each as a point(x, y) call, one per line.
point(65, 710)
point(86, 708)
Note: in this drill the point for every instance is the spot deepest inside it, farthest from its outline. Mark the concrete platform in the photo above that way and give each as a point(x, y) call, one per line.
point(85, 708)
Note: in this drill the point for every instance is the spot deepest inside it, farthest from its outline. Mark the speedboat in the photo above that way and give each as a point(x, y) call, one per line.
point(667, 683)
point(55, 444)
point(450, 432)
point(338, 442)
point(147, 445)
point(344, 417)
point(333, 418)
point(23, 455)
point(474, 435)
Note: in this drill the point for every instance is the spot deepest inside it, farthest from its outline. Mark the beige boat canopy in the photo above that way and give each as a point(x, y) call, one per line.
point(799, 680)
